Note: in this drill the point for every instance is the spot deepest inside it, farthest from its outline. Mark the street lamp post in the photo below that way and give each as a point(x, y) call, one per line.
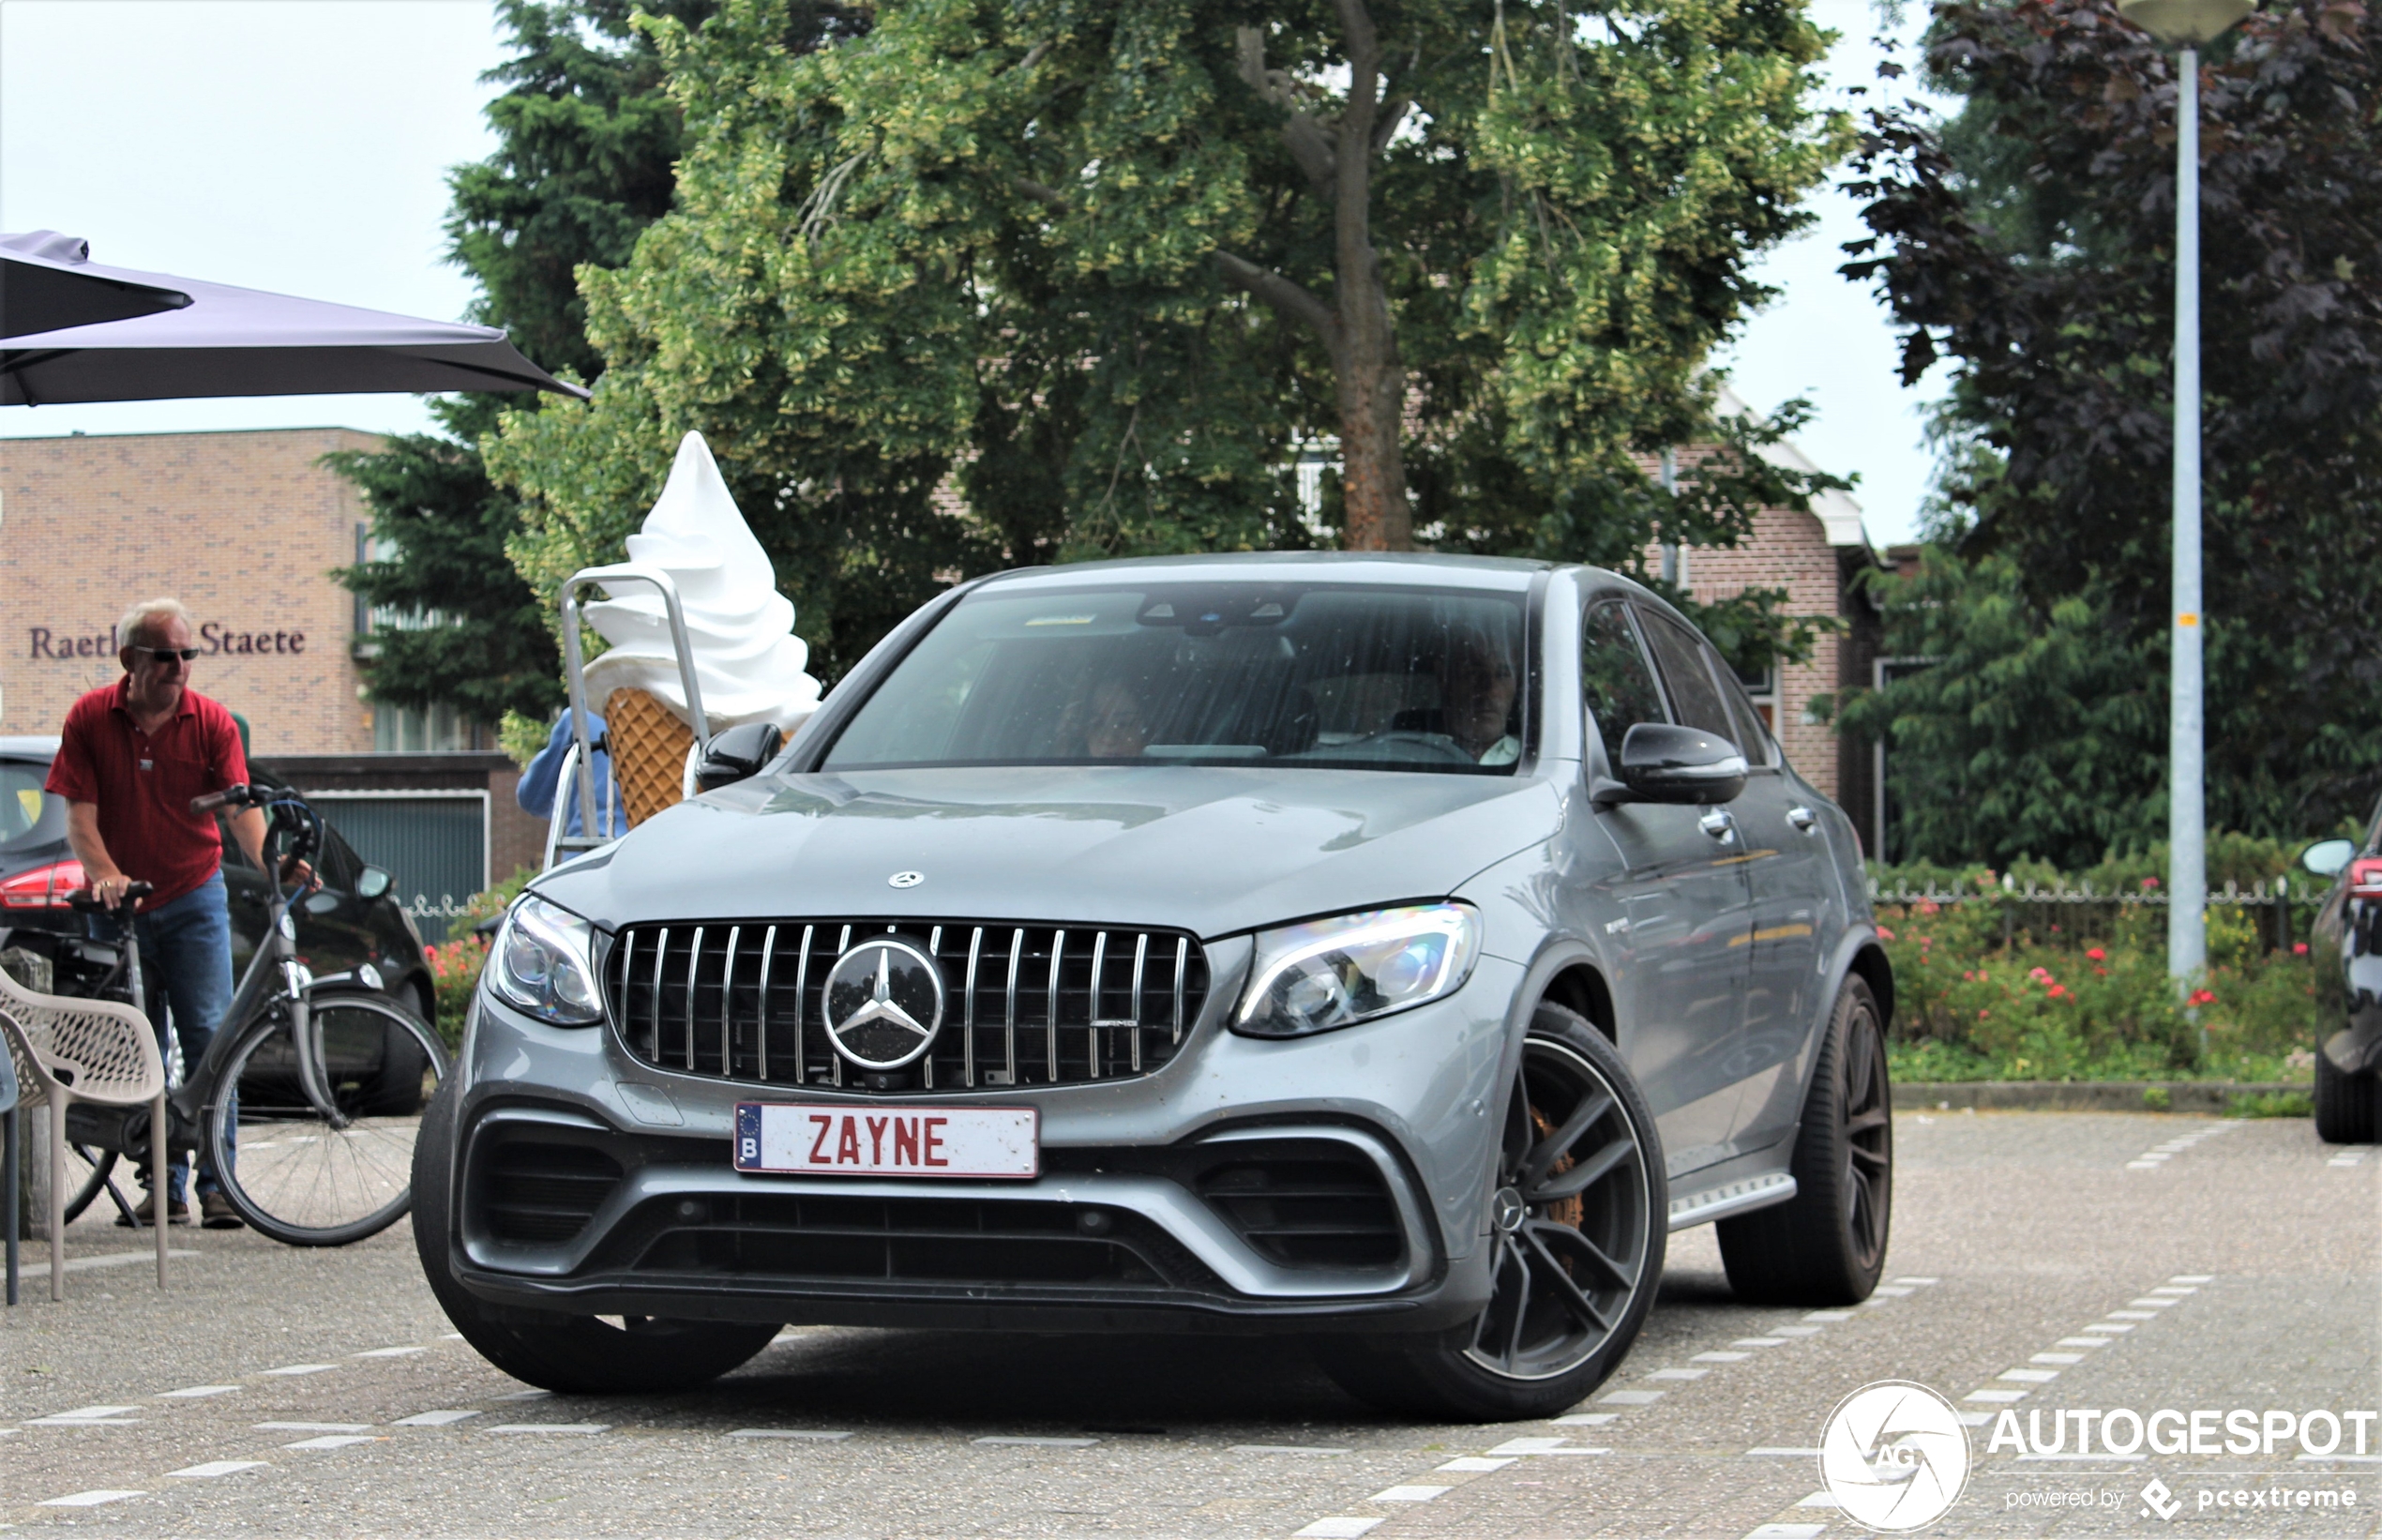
point(2190, 24)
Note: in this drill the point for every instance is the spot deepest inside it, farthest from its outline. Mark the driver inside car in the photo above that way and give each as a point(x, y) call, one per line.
point(1476, 695)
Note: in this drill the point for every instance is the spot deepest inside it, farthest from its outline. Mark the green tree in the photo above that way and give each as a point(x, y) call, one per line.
point(1114, 266)
point(2030, 240)
point(586, 142)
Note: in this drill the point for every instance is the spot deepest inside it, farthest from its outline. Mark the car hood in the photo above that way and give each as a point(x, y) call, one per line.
point(1209, 850)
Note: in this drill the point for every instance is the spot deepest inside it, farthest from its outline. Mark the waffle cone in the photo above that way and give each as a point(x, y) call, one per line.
point(649, 748)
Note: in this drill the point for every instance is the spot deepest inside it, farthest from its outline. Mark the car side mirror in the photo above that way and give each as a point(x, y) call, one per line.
point(371, 882)
point(1675, 765)
point(736, 753)
point(2325, 857)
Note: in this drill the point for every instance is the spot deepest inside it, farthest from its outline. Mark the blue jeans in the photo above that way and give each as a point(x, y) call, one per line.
point(186, 954)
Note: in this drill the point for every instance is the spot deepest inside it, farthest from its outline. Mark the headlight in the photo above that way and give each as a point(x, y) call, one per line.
point(1351, 968)
point(541, 964)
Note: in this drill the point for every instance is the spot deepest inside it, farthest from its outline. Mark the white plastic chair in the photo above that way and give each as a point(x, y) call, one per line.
point(88, 1051)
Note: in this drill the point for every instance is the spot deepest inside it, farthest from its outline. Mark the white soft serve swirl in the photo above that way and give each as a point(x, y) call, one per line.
point(748, 663)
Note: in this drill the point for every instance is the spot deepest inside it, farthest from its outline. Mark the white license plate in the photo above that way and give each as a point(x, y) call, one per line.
point(846, 1141)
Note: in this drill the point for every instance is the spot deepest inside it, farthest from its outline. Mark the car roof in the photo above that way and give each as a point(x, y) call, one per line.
point(1417, 569)
point(29, 746)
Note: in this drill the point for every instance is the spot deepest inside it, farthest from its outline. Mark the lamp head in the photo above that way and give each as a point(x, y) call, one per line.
point(2185, 22)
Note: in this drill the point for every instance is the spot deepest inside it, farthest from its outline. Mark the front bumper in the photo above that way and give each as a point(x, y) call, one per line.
point(1248, 1186)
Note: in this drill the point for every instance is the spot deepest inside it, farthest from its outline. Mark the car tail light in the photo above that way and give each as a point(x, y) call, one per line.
point(2365, 878)
point(46, 888)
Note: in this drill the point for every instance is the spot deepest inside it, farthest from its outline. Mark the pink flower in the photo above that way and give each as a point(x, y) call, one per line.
point(2149, 882)
point(1886, 933)
point(1982, 1014)
point(2298, 948)
point(2096, 954)
point(2202, 997)
point(2059, 992)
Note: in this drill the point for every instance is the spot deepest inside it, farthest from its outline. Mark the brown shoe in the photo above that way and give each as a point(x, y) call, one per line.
point(176, 1213)
point(216, 1212)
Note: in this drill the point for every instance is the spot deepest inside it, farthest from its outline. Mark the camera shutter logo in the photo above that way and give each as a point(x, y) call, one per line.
point(1894, 1457)
point(883, 1004)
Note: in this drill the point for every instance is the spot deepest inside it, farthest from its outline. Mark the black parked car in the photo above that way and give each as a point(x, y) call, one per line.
point(352, 924)
point(2349, 955)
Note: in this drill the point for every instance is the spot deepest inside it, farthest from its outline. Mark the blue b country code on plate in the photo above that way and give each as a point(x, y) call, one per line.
point(844, 1140)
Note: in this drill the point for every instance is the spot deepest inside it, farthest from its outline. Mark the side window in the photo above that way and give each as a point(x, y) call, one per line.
point(1616, 678)
point(1751, 735)
point(1695, 697)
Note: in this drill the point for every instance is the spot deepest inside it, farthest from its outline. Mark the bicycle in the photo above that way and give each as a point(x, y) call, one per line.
point(283, 1073)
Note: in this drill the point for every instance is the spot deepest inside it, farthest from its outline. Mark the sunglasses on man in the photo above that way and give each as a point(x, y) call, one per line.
point(186, 655)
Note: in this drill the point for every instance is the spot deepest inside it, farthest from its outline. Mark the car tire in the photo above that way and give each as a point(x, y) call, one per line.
point(1576, 1263)
point(1827, 1245)
point(571, 1356)
point(395, 1088)
point(2346, 1104)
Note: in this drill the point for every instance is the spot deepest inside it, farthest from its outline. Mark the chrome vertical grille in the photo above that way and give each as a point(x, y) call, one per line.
point(1022, 1004)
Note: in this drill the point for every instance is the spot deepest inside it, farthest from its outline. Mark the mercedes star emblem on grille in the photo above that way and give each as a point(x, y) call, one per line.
point(905, 879)
point(883, 1004)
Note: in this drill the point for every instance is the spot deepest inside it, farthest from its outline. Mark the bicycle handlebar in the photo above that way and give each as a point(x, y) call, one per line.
point(235, 795)
point(133, 894)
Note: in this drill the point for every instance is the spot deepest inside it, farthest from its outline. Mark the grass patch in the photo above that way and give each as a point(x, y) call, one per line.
point(2272, 1104)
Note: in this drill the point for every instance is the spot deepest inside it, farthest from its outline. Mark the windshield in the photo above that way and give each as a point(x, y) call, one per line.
point(1320, 676)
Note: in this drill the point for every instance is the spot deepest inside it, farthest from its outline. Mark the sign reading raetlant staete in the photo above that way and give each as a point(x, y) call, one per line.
point(213, 638)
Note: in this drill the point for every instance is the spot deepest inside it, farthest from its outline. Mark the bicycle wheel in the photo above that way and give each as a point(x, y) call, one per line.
point(291, 1172)
point(86, 1177)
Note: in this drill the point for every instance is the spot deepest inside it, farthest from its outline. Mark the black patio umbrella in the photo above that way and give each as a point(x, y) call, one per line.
point(228, 341)
point(46, 284)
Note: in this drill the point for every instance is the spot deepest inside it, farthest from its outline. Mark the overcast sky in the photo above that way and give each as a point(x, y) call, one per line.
point(302, 145)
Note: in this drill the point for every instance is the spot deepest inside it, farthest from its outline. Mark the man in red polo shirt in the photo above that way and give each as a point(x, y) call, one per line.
point(130, 758)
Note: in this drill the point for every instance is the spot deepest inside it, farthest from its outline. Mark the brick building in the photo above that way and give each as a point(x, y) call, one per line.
point(245, 529)
point(1817, 557)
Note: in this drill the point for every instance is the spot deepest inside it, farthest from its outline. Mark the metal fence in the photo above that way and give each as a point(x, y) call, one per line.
point(2081, 912)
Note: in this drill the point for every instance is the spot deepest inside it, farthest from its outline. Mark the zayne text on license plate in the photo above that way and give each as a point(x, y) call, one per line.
point(844, 1141)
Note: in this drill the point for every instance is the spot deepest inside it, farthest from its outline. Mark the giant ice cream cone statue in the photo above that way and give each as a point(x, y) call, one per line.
point(748, 663)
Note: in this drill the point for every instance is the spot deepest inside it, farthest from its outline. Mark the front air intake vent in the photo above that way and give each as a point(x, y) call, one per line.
point(541, 1194)
point(1305, 1202)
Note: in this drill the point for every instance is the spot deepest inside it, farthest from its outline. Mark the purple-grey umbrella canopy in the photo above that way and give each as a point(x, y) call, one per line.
point(47, 282)
point(232, 341)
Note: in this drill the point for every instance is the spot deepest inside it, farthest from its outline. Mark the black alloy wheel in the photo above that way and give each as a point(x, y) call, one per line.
point(1569, 1215)
point(1577, 1226)
point(1827, 1245)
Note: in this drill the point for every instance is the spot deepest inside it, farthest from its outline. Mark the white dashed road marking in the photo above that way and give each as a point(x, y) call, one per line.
point(819, 1435)
point(88, 1500)
point(332, 1440)
point(434, 1419)
point(303, 1368)
point(191, 1392)
point(1336, 1529)
point(550, 1427)
point(1409, 1494)
point(214, 1468)
point(313, 1427)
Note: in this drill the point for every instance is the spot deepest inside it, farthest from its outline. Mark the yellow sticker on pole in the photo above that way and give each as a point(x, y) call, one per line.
point(2187, 619)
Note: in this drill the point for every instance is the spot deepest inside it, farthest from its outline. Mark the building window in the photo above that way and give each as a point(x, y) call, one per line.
point(1761, 687)
point(440, 729)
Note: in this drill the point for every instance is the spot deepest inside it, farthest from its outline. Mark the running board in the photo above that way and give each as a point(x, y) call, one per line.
point(1755, 1192)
